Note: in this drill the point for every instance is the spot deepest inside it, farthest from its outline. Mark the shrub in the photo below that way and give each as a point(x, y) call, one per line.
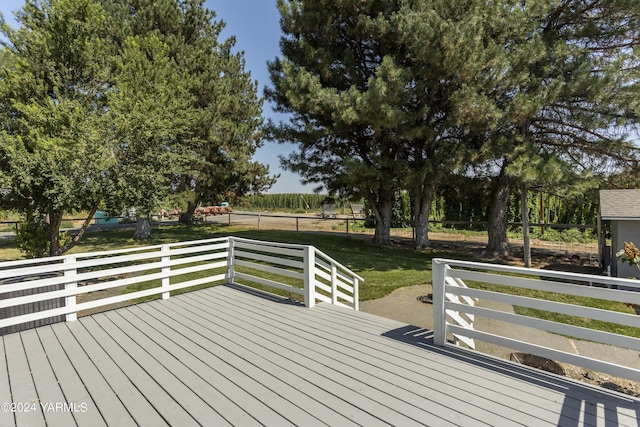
point(32, 238)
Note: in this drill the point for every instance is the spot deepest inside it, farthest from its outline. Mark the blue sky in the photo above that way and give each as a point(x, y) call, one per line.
point(255, 24)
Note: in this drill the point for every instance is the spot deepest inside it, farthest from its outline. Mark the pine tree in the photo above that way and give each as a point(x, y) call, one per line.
point(563, 98)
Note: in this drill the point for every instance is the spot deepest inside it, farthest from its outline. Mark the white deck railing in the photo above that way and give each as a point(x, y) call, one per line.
point(591, 286)
point(161, 269)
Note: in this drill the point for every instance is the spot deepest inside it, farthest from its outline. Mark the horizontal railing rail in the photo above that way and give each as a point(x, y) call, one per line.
point(590, 286)
point(78, 279)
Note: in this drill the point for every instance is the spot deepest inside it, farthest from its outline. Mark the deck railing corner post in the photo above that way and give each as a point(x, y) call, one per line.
point(356, 294)
point(70, 301)
point(165, 258)
point(231, 261)
point(439, 315)
point(309, 276)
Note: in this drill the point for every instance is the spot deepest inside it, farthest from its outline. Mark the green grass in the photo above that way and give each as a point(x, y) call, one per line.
point(383, 268)
point(141, 286)
point(567, 299)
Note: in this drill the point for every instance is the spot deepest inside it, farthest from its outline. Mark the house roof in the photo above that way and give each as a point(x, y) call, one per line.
point(620, 204)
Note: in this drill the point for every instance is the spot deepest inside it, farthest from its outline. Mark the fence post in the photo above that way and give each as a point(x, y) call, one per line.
point(259, 215)
point(297, 228)
point(309, 276)
point(70, 301)
point(438, 270)
point(230, 262)
point(165, 257)
point(347, 226)
point(229, 218)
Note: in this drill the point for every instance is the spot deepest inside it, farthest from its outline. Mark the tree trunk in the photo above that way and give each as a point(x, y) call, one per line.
point(382, 207)
point(143, 229)
point(54, 222)
point(526, 243)
point(83, 229)
point(497, 224)
point(422, 198)
point(187, 217)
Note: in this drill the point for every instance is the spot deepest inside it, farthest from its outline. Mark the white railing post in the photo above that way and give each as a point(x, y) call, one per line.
point(334, 284)
point(356, 295)
point(166, 280)
point(309, 276)
point(70, 301)
point(230, 262)
point(439, 315)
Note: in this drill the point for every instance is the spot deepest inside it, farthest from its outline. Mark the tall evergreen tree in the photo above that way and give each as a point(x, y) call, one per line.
point(565, 91)
point(339, 80)
point(224, 131)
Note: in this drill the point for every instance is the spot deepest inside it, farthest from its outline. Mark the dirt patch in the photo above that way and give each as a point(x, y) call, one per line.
point(621, 385)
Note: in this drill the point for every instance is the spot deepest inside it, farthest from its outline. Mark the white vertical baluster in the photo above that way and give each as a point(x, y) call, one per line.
point(165, 252)
point(309, 276)
point(230, 262)
point(439, 316)
point(334, 284)
point(356, 295)
point(70, 271)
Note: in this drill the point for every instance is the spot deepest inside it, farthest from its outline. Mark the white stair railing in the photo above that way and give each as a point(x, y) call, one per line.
point(448, 274)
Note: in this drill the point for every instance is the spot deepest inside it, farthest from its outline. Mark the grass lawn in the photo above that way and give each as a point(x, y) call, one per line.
point(383, 268)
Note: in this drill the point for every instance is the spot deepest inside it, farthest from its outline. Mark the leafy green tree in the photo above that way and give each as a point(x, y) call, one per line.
point(115, 104)
point(224, 130)
point(150, 114)
point(338, 79)
point(52, 115)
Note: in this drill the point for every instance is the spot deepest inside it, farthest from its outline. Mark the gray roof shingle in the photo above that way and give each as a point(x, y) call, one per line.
point(620, 204)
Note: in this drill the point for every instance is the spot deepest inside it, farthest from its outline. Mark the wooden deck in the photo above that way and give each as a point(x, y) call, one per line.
point(228, 356)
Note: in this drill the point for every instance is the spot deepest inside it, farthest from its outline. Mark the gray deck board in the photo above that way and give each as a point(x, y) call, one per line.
point(414, 398)
point(576, 396)
point(369, 356)
point(23, 391)
point(97, 347)
point(295, 388)
point(578, 400)
point(102, 395)
point(224, 356)
point(6, 417)
point(324, 361)
point(178, 359)
point(214, 368)
point(360, 363)
point(74, 390)
point(46, 384)
point(543, 399)
point(145, 382)
point(273, 366)
point(247, 375)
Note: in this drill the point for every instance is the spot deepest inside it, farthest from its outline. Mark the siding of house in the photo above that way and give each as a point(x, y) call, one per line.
point(30, 308)
point(624, 231)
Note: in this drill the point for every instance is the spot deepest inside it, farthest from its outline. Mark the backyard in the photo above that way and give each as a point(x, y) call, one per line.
point(384, 268)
